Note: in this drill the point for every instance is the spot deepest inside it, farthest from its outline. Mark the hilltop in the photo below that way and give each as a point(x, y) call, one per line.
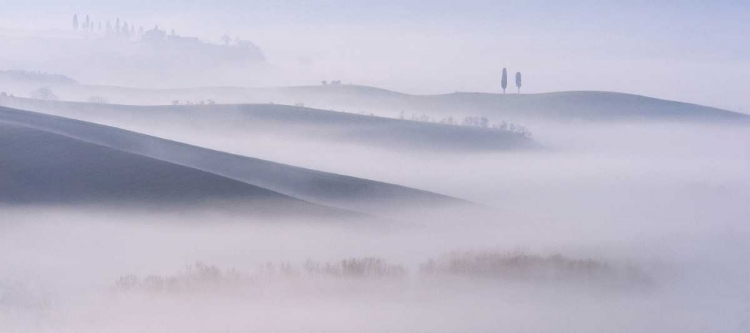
point(594, 106)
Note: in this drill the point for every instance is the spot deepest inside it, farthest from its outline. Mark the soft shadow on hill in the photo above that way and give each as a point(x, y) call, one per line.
point(595, 106)
point(314, 186)
point(294, 123)
point(40, 168)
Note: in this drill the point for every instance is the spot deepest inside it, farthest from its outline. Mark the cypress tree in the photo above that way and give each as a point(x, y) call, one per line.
point(518, 81)
point(505, 79)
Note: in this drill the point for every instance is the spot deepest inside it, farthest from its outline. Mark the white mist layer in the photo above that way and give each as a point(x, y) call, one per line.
point(669, 200)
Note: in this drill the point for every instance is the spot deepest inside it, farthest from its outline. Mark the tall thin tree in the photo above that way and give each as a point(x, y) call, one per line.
point(505, 79)
point(518, 81)
point(75, 22)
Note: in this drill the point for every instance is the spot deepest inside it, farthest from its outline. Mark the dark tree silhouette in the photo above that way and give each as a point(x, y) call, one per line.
point(505, 79)
point(518, 81)
point(75, 22)
point(87, 25)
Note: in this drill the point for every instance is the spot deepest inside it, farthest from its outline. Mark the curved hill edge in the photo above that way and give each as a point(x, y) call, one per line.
point(46, 168)
point(377, 131)
point(340, 191)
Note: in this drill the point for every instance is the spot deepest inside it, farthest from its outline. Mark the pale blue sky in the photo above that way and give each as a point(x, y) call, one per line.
point(697, 51)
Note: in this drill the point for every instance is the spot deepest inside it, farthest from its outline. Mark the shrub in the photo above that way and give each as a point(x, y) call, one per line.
point(45, 94)
point(197, 277)
point(356, 268)
point(526, 267)
point(97, 100)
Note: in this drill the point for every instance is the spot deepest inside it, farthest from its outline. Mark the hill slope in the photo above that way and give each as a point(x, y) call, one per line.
point(43, 168)
point(288, 121)
point(318, 187)
point(558, 106)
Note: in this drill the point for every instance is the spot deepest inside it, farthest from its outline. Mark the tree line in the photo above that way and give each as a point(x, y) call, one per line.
point(118, 29)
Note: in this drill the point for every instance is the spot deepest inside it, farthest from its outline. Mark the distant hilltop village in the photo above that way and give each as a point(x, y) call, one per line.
point(232, 49)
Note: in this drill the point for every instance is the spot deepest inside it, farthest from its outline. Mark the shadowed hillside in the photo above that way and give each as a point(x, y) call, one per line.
point(318, 187)
point(43, 168)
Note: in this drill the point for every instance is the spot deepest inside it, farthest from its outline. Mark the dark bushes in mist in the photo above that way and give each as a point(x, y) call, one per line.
point(198, 277)
point(526, 267)
point(203, 277)
point(487, 266)
point(356, 268)
point(481, 122)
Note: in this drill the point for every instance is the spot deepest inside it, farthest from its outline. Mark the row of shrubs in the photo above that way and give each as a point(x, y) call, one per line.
point(501, 266)
point(475, 121)
point(45, 93)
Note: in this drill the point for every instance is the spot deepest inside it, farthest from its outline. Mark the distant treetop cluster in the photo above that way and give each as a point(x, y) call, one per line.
point(41, 77)
point(122, 30)
point(116, 30)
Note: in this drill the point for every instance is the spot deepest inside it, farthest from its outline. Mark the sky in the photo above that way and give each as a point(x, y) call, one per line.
point(693, 51)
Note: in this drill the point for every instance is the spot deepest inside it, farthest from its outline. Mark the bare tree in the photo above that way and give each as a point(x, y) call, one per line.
point(45, 94)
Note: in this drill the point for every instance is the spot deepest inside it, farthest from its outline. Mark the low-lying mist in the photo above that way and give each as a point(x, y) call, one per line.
point(667, 201)
point(232, 166)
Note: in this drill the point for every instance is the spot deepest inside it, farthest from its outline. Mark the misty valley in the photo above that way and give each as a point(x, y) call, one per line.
point(201, 182)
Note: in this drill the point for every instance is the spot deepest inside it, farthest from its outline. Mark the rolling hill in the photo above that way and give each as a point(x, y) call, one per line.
point(594, 106)
point(39, 168)
point(240, 173)
point(288, 121)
